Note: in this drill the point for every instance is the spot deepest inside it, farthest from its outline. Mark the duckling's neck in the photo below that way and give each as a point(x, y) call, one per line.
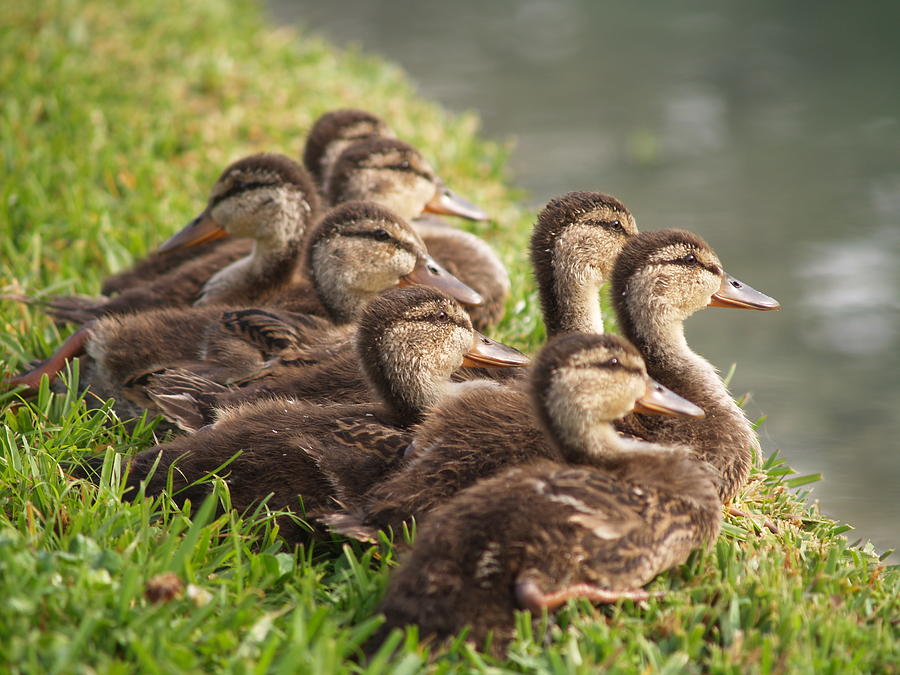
point(570, 299)
point(343, 299)
point(344, 307)
point(269, 267)
point(587, 443)
point(724, 437)
point(410, 386)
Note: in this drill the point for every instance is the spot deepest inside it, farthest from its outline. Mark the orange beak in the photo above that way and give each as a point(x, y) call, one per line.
point(446, 202)
point(200, 230)
point(733, 293)
point(487, 353)
point(658, 400)
point(427, 272)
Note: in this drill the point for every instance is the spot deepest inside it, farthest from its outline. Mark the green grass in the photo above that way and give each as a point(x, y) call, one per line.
point(116, 116)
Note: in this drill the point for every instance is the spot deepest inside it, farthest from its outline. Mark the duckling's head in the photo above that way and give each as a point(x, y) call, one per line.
point(582, 382)
point(410, 340)
point(360, 249)
point(393, 174)
point(266, 197)
point(574, 243)
point(333, 132)
point(663, 277)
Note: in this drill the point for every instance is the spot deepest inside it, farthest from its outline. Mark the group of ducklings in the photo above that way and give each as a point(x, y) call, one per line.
point(325, 357)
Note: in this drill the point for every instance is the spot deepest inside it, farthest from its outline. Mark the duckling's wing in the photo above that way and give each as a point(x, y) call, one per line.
point(185, 398)
point(268, 331)
point(361, 451)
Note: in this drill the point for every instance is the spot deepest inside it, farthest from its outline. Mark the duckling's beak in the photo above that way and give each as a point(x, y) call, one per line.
point(487, 353)
point(734, 293)
point(657, 400)
point(427, 272)
point(446, 202)
point(200, 230)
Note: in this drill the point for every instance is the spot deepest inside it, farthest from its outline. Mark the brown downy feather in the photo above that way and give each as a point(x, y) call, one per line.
point(159, 263)
point(409, 339)
point(394, 174)
point(228, 274)
point(655, 287)
point(600, 530)
point(333, 132)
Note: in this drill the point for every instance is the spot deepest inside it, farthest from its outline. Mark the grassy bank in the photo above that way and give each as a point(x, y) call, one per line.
point(116, 117)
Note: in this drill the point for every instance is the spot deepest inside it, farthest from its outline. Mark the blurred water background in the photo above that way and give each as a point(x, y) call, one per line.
point(771, 129)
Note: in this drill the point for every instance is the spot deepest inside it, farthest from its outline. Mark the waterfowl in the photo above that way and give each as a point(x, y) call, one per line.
point(269, 198)
point(574, 244)
point(658, 281)
point(600, 522)
point(355, 252)
point(474, 435)
point(409, 340)
point(333, 132)
point(395, 174)
point(266, 198)
point(358, 250)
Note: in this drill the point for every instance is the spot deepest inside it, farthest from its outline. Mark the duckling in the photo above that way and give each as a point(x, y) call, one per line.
point(333, 132)
point(659, 280)
point(267, 198)
point(396, 175)
point(573, 245)
point(599, 522)
point(409, 340)
point(356, 251)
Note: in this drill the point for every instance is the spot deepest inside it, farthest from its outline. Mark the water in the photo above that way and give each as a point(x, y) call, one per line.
point(771, 129)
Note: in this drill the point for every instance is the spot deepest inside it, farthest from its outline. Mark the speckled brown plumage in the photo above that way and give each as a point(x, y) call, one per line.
point(599, 530)
point(333, 132)
point(269, 198)
point(396, 175)
point(410, 340)
point(358, 250)
point(659, 280)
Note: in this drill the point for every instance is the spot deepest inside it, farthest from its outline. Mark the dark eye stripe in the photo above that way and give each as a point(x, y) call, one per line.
point(244, 187)
point(694, 265)
point(402, 169)
point(614, 225)
point(606, 365)
point(371, 234)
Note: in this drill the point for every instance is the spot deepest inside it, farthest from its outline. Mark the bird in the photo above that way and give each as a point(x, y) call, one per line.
point(660, 278)
point(485, 429)
point(268, 199)
point(409, 340)
point(332, 132)
point(356, 251)
point(598, 522)
point(395, 174)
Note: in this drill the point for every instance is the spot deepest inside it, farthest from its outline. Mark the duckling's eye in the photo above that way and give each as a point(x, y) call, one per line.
point(612, 363)
point(381, 235)
point(442, 317)
point(689, 259)
point(617, 225)
point(404, 164)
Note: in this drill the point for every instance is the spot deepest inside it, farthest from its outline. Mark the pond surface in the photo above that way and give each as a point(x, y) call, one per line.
point(771, 129)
